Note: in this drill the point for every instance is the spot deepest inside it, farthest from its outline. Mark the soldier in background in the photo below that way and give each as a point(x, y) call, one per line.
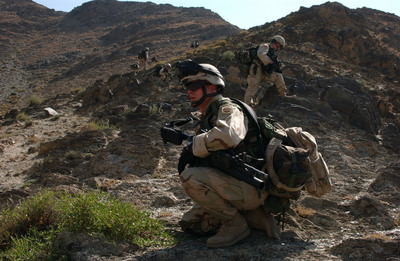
point(163, 71)
point(143, 57)
point(135, 68)
point(265, 67)
point(194, 45)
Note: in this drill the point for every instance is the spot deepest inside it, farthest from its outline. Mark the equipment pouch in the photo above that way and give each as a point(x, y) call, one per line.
point(288, 167)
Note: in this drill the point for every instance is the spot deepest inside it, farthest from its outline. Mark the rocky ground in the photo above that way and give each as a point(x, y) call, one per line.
point(357, 220)
point(105, 133)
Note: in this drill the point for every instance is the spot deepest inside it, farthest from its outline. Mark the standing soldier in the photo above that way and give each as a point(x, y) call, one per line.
point(143, 57)
point(265, 67)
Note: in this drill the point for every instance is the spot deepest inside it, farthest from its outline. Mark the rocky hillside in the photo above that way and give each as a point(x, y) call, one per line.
point(340, 68)
point(44, 52)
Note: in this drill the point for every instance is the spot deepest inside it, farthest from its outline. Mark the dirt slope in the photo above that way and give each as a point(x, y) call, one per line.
point(352, 109)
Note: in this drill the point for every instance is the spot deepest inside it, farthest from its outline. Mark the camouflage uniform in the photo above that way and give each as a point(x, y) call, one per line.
point(135, 68)
point(218, 196)
point(143, 58)
point(256, 75)
point(164, 72)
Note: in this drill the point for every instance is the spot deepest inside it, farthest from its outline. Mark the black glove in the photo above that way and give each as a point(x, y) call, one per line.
point(171, 135)
point(186, 158)
point(275, 66)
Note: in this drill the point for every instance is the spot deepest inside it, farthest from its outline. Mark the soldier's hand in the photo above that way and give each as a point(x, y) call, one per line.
point(186, 158)
point(171, 135)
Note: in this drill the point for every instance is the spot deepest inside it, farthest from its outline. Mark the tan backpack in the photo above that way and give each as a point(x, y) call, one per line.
point(317, 185)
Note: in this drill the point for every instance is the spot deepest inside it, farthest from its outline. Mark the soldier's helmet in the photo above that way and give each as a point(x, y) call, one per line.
point(168, 65)
point(280, 40)
point(147, 48)
point(190, 71)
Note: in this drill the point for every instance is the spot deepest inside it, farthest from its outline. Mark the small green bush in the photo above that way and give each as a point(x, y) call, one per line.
point(23, 117)
point(35, 100)
point(155, 109)
point(71, 155)
point(228, 56)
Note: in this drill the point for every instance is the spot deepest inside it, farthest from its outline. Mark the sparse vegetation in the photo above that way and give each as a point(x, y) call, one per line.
point(154, 109)
point(35, 100)
point(228, 56)
point(29, 231)
point(304, 212)
point(23, 117)
point(39, 87)
point(221, 42)
point(99, 125)
point(71, 155)
point(76, 90)
point(55, 117)
point(362, 82)
point(377, 236)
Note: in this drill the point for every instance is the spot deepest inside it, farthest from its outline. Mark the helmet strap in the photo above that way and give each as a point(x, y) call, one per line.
point(202, 99)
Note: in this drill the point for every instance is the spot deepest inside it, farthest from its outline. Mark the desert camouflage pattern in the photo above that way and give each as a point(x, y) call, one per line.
point(218, 196)
point(262, 53)
point(230, 128)
point(254, 78)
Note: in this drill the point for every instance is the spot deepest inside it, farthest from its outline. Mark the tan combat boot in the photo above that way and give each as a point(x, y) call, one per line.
point(231, 232)
point(260, 220)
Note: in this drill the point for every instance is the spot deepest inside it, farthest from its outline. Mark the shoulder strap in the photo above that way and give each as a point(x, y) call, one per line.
point(251, 114)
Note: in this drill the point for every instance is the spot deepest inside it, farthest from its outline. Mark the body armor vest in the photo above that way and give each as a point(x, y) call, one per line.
point(250, 145)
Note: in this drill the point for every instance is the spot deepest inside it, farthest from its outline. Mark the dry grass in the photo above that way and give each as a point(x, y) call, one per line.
point(377, 236)
point(304, 212)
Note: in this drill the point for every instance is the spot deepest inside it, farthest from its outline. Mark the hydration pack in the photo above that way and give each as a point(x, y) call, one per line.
point(245, 58)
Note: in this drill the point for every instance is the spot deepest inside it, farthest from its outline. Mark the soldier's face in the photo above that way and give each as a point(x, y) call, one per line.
point(277, 46)
point(195, 90)
point(195, 95)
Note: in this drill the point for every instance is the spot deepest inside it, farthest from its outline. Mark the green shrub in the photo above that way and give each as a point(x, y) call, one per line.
point(71, 155)
point(35, 100)
point(228, 56)
point(155, 109)
point(29, 231)
point(23, 117)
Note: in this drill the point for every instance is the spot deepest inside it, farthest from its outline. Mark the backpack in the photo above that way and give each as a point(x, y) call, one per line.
point(292, 162)
point(295, 140)
point(245, 58)
point(157, 70)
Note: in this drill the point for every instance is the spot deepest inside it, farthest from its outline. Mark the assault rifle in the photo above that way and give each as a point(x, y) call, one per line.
point(224, 160)
point(274, 67)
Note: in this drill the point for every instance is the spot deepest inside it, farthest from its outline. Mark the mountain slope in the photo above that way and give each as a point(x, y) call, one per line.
point(349, 105)
point(52, 52)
